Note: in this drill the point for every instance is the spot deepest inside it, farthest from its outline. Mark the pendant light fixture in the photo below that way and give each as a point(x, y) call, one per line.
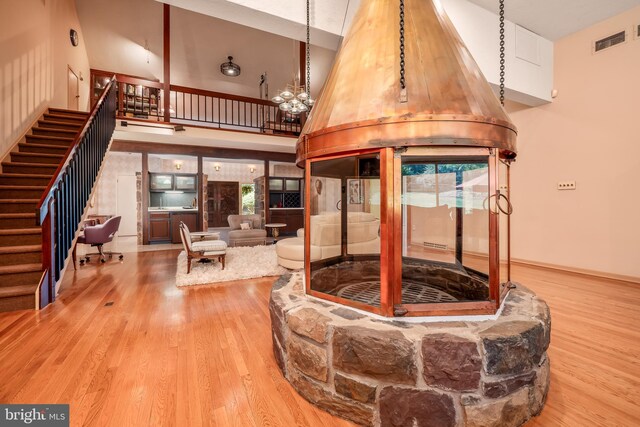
point(296, 99)
point(230, 68)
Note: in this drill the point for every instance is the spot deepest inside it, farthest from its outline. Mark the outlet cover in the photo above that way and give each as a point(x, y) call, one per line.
point(566, 185)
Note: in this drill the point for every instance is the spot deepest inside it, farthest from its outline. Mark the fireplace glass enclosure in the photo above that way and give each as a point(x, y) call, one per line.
point(344, 227)
point(419, 231)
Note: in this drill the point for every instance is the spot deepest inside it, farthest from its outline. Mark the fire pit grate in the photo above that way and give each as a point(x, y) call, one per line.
point(412, 293)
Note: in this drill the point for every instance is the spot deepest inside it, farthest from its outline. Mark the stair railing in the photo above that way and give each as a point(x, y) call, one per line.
point(62, 205)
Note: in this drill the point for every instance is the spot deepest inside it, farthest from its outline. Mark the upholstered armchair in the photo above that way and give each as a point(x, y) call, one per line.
point(249, 234)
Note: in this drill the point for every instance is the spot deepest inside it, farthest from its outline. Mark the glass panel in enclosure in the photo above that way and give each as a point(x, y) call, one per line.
point(445, 230)
point(344, 228)
point(504, 218)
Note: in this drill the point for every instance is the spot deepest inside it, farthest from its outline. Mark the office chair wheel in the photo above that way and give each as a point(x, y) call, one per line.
point(121, 257)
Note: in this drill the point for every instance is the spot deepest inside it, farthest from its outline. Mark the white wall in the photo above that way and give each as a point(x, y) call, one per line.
point(35, 52)
point(232, 171)
point(117, 32)
point(115, 163)
point(590, 134)
point(527, 80)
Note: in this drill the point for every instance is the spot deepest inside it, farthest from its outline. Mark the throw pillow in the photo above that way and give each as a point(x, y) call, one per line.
point(245, 226)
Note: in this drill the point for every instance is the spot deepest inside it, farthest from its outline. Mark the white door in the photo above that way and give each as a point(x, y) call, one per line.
point(126, 205)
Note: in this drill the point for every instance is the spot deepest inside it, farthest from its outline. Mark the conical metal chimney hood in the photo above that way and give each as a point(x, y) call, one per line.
point(449, 102)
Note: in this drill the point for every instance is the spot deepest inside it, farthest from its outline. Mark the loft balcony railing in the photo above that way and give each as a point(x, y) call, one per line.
point(143, 99)
point(64, 201)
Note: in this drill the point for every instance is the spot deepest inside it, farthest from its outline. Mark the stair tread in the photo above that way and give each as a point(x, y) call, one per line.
point(20, 268)
point(16, 291)
point(22, 175)
point(19, 200)
point(23, 187)
point(53, 129)
point(20, 231)
point(44, 165)
point(64, 115)
point(53, 138)
point(59, 156)
point(20, 249)
point(17, 215)
point(39, 145)
point(84, 113)
point(54, 122)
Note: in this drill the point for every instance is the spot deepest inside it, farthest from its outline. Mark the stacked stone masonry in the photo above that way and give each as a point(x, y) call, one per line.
point(376, 372)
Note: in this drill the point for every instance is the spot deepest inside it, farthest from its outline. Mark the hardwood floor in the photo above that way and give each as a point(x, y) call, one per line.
point(202, 356)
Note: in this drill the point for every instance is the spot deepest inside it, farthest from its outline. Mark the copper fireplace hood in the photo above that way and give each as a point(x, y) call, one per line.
point(449, 102)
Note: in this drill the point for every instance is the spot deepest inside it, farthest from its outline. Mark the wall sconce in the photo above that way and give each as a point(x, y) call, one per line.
point(178, 165)
point(252, 168)
point(216, 167)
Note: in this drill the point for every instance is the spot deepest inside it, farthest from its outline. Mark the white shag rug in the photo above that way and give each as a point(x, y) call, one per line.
point(244, 262)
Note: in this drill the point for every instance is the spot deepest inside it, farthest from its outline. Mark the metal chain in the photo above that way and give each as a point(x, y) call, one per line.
point(502, 61)
point(402, 79)
point(308, 54)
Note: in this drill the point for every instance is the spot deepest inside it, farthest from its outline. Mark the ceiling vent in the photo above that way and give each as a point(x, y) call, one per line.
point(610, 41)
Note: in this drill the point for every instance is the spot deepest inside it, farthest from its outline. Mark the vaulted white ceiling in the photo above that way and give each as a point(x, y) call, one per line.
point(551, 19)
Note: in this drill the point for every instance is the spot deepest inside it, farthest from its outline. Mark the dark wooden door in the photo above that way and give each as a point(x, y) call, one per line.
point(224, 200)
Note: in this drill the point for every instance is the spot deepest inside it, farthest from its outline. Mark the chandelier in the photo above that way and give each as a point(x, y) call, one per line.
point(296, 99)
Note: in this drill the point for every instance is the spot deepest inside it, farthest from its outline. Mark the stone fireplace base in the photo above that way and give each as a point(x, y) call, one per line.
point(379, 372)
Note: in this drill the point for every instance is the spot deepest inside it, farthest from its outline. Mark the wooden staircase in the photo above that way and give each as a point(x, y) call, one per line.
point(24, 178)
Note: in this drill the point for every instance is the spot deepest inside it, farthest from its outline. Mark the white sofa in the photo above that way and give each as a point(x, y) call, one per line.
point(362, 238)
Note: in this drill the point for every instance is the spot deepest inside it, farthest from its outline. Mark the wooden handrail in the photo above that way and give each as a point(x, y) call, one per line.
point(221, 110)
point(222, 95)
point(42, 208)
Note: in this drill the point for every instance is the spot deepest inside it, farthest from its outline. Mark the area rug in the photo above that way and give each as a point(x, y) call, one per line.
point(241, 263)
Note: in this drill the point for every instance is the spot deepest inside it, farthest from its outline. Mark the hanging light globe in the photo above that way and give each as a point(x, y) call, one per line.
point(294, 102)
point(230, 68)
point(295, 110)
point(302, 96)
point(285, 106)
point(302, 108)
point(277, 99)
point(287, 95)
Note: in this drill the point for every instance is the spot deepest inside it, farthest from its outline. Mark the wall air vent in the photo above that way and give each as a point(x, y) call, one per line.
point(638, 31)
point(432, 245)
point(610, 41)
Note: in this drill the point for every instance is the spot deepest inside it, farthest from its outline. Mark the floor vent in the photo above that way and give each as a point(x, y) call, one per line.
point(432, 245)
point(610, 41)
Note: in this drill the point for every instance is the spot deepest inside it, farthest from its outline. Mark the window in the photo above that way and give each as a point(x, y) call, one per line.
point(248, 199)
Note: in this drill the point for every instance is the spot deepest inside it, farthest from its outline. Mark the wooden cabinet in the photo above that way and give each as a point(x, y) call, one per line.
point(285, 192)
point(189, 219)
point(159, 227)
point(164, 227)
point(294, 218)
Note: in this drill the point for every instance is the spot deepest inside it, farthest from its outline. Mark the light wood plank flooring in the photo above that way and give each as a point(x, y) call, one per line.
point(202, 356)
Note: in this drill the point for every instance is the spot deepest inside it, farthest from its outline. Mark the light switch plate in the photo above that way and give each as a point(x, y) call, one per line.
point(566, 185)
